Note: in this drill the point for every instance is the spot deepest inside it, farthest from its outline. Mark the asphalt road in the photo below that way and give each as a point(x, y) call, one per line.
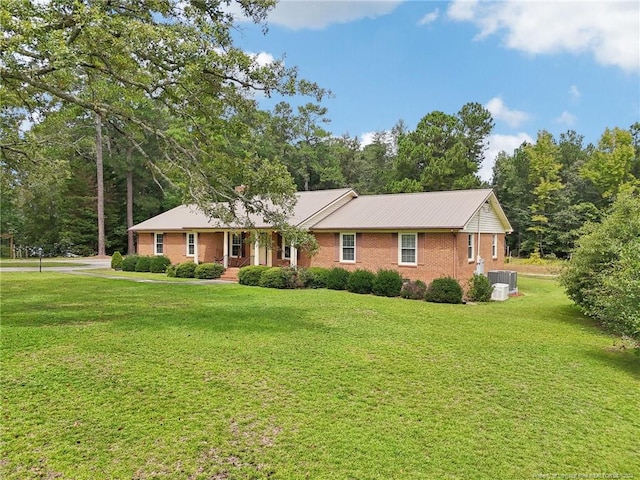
point(81, 264)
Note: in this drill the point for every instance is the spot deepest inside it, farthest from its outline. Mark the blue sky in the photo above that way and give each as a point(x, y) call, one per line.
point(535, 65)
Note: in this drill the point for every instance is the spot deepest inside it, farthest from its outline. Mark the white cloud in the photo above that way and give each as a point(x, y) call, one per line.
point(263, 58)
point(429, 17)
point(607, 29)
point(500, 111)
point(574, 92)
point(367, 138)
point(318, 14)
point(495, 145)
point(566, 118)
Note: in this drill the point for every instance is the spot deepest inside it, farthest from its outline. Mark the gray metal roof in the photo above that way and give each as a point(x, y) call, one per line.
point(408, 211)
point(190, 217)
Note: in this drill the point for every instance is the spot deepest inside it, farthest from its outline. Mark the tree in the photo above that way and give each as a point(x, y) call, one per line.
point(603, 275)
point(176, 58)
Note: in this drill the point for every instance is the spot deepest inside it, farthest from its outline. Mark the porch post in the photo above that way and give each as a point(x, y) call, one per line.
point(256, 252)
point(294, 256)
point(225, 249)
point(195, 247)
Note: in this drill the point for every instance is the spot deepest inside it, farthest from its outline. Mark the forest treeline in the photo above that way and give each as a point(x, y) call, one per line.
point(548, 189)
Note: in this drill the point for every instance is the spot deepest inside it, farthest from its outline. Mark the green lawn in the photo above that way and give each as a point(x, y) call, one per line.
point(112, 379)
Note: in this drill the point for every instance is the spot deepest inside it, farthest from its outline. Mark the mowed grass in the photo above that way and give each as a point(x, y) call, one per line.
point(111, 379)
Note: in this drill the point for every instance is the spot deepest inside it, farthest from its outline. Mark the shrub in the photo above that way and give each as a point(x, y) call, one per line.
point(143, 264)
point(208, 271)
point(171, 271)
point(159, 264)
point(250, 275)
point(275, 277)
point(337, 278)
point(444, 290)
point(129, 263)
point(479, 288)
point(360, 281)
point(387, 283)
point(186, 270)
point(116, 261)
point(313, 277)
point(413, 289)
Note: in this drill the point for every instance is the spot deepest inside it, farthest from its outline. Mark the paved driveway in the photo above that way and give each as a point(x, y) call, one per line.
point(81, 264)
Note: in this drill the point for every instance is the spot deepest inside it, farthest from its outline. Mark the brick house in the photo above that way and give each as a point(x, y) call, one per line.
point(421, 235)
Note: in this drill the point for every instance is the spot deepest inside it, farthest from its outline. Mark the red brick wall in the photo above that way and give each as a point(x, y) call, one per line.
point(439, 254)
point(210, 246)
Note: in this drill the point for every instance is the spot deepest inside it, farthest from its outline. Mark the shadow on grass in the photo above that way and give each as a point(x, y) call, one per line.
point(624, 359)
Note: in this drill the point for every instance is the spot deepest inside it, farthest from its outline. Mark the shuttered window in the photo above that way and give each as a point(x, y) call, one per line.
point(158, 241)
point(407, 249)
point(191, 244)
point(348, 247)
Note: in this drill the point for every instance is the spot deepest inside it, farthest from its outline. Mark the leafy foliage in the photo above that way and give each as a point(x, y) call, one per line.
point(186, 270)
point(208, 271)
point(129, 263)
point(116, 261)
point(413, 289)
point(444, 290)
point(603, 274)
point(171, 270)
point(479, 288)
point(159, 264)
point(387, 283)
point(361, 281)
point(276, 277)
point(250, 275)
point(314, 277)
point(143, 264)
point(337, 278)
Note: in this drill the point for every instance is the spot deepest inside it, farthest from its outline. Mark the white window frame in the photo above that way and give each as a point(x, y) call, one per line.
point(159, 235)
point(285, 254)
point(494, 246)
point(415, 248)
point(343, 246)
point(233, 244)
point(471, 247)
point(191, 235)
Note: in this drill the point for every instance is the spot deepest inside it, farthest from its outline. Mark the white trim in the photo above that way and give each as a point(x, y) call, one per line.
point(188, 244)
point(225, 249)
point(494, 246)
point(471, 257)
point(342, 247)
point(415, 248)
point(239, 245)
point(155, 243)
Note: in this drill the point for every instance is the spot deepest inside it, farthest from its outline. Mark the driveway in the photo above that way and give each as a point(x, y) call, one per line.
point(81, 264)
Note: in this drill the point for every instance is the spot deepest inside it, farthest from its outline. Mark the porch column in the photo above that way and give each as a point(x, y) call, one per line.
point(256, 252)
point(225, 249)
point(294, 256)
point(195, 247)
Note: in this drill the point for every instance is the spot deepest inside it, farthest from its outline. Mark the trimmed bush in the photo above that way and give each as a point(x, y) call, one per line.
point(387, 283)
point(250, 275)
point(171, 271)
point(479, 289)
point(143, 264)
point(275, 277)
point(186, 270)
point(413, 289)
point(444, 290)
point(337, 278)
point(116, 261)
point(129, 263)
point(208, 271)
point(159, 264)
point(313, 277)
point(361, 281)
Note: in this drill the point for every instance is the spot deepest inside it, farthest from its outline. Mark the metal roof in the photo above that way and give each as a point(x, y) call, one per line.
point(408, 211)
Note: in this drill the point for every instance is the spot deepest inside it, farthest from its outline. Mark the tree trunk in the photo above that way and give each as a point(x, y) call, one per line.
point(100, 178)
point(130, 245)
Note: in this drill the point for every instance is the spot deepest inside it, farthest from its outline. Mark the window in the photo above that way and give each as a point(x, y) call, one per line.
point(286, 250)
point(408, 249)
point(348, 247)
point(494, 246)
point(191, 244)
point(470, 255)
point(159, 243)
point(236, 245)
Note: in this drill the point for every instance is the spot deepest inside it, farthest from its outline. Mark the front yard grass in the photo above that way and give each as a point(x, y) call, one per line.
point(109, 379)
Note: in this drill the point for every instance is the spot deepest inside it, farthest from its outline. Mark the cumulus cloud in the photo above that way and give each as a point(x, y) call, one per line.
point(429, 17)
point(500, 143)
point(574, 92)
point(263, 58)
point(500, 111)
point(566, 118)
point(608, 30)
point(367, 138)
point(318, 14)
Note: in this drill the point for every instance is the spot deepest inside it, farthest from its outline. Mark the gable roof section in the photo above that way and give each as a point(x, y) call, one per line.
point(412, 211)
point(311, 207)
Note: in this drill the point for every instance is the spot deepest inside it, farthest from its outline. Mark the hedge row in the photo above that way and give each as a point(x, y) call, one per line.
point(162, 264)
point(202, 271)
point(386, 283)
